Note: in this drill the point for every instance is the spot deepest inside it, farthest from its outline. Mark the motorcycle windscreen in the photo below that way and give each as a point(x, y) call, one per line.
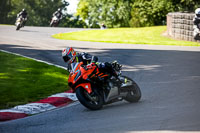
point(74, 67)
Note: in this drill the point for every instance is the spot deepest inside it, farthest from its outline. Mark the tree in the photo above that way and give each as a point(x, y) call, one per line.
point(82, 9)
point(185, 5)
point(39, 11)
point(5, 6)
point(149, 13)
point(71, 21)
point(113, 13)
point(134, 13)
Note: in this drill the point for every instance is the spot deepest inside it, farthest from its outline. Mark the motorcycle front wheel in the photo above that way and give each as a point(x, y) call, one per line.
point(91, 101)
point(18, 27)
point(134, 93)
point(51, 24)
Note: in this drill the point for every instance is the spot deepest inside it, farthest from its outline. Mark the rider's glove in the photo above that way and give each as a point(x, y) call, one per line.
point(116, 66)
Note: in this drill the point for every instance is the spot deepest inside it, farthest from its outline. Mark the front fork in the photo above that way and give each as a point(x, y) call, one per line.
point(92, 94)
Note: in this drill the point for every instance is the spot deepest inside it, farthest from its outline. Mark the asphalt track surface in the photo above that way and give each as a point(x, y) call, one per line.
point(169, 78)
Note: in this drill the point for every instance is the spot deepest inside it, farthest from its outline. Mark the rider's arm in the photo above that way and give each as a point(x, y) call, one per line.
point(19, 14)
point(94, 59)
point(196, 21)
point(54, 14)
point(26, 15)
point(61, 15)
point(89, 57)
point(69, 68)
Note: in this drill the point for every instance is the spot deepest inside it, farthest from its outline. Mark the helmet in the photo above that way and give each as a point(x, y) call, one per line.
point(23, 10)
point(197, 12)
point(68, 54)
point(59, 9)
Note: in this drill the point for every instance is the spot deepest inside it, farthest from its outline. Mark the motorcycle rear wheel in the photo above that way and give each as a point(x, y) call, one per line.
point(83, 97)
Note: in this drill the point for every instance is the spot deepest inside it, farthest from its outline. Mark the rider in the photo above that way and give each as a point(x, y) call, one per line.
point(196, 21)
point(70, 56)
point(24, 15)
point(58, 14)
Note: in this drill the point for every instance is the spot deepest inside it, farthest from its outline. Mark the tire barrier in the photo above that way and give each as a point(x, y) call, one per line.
point(180, 26)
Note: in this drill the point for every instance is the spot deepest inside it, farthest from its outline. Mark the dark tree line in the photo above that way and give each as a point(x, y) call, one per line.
point(5, 6)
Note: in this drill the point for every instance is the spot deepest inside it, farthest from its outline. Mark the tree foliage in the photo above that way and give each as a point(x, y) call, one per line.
point(149, 13)
point(133, 13)
point(71, 21)
point(185, 5)
point(39, 12)
point(5, 6)
point(82, 9)
point(113, 13)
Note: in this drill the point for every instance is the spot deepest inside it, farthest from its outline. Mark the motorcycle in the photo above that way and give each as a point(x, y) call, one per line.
point(54, 22)
point(196, 32)
point(19, 22)
point(93, 91)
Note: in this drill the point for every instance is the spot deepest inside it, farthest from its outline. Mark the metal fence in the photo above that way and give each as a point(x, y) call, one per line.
point(180, 26)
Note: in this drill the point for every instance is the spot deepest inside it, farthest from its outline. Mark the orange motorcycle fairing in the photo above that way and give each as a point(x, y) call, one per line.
point(86, 86)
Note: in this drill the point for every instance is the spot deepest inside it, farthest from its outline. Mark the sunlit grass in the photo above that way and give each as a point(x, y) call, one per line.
point(145, 35)
point(24, 80)
point(7, 24)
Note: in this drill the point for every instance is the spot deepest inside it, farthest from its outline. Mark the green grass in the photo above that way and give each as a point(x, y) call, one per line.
point(145, 35)
point(24, 80)
point(7, 24)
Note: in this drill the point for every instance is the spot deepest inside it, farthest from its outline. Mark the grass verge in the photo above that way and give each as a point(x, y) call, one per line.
point(24, 80)
point(145, 35)
point(7, 24)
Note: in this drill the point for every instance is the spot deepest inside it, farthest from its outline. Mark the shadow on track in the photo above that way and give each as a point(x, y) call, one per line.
point(27, 30)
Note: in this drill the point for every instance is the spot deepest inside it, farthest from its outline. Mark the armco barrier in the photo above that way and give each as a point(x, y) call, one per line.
point(180, 26)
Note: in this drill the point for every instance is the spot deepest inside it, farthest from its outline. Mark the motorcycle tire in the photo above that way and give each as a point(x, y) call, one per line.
point(52, 24)
point(18, 27)
point(81, 94)
point(135, 94)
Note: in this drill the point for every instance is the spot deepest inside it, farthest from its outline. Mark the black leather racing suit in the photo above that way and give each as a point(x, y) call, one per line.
point(58, 14)
point(24, 15)
point(87, 59)
point(196, 27)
